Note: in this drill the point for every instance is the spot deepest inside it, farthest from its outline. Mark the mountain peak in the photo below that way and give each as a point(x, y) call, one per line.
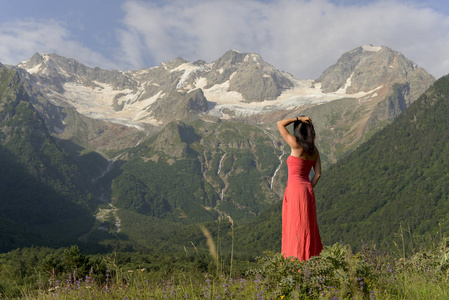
point(35, 60)
point(37, 57)
point(371, 48)
point(230, 58)
point(174, 63)
point(368, 67)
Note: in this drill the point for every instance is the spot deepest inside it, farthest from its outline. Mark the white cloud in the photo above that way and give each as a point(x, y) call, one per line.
point(21, 39)
point(298, 36)
point(302, 37)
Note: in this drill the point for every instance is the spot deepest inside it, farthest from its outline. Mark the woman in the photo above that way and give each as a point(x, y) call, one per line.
point(300, 234)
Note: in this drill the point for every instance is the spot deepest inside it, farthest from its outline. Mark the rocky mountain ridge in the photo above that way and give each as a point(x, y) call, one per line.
point(237, 85)
point(379, 82)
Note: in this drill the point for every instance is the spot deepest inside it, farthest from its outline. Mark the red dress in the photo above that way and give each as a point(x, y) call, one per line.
point(300, 234)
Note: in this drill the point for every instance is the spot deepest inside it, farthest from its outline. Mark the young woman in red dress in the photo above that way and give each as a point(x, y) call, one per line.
point(300, 234)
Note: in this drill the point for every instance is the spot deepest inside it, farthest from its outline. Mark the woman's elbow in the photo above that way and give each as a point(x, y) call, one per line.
point(280, 125)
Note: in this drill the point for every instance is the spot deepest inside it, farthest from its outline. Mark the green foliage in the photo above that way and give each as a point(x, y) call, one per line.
point(131, 193)
point(263, 233)
point(43, 273)
point(33, 268)
point(143, 233)
point(156, 188)
point(331, 274)
point(45, 209)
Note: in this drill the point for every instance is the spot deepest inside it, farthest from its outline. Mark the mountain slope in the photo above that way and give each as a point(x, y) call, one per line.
point(194, 171)
point(398, 178)
point(41, 187)
point(392, 83)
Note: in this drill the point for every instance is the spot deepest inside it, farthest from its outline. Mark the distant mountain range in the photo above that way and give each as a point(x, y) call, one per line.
point(367, 88)
point(187, 142)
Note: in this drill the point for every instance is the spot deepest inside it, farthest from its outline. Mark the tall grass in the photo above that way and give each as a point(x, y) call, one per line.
point(337, 273)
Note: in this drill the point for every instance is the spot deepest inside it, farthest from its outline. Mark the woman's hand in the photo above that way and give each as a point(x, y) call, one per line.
point(305, 119)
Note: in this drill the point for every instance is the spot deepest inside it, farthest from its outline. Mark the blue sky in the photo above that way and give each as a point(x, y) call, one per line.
point(302, 37)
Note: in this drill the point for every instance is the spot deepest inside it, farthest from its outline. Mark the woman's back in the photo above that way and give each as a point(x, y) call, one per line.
point(299, 152)
point(299, 169)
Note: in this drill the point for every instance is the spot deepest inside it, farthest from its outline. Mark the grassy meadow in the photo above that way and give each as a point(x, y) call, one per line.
point(338, 273)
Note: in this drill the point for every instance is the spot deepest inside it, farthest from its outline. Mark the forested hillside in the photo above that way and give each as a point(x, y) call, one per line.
point(43, 199)
point(191, 172)
point(399, 178)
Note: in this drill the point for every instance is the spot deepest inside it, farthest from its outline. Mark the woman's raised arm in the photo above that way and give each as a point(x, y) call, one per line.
point(282, 127)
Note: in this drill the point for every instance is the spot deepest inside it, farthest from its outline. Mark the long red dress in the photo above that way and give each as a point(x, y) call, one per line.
point(300, 233)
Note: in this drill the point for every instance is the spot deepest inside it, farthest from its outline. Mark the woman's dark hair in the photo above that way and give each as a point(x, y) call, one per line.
point(305, 136)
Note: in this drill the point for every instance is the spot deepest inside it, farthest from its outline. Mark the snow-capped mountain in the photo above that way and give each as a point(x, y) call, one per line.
point(369, 68)
point(234, 86)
